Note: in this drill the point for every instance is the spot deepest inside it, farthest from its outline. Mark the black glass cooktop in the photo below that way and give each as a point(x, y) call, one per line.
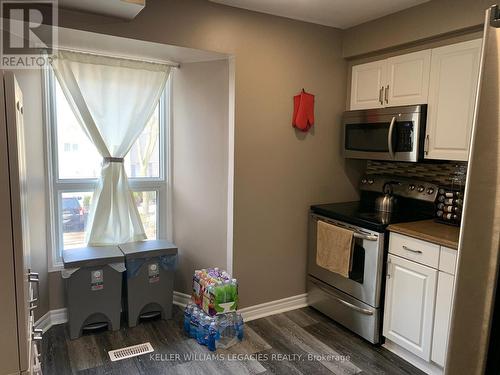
point(365, 216)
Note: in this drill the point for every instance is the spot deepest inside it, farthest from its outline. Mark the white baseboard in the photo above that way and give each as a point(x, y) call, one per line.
point(181, 299)
point(51, 318)
point(257, 311)
point(60, 316)
point(274, 307)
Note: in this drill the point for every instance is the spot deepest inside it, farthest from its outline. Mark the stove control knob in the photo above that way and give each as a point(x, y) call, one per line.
point(420, 189)
point(363, 181)
point(411, 187)
point(370, 181)
point(430, 191)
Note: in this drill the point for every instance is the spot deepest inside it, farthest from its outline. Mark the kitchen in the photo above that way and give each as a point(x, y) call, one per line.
point(394, 167)
point(419, 108)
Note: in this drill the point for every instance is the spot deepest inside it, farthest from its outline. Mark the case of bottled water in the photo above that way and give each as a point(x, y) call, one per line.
point(220, 331)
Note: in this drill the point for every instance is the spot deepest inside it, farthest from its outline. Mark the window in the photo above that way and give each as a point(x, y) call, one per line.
point(74, 166)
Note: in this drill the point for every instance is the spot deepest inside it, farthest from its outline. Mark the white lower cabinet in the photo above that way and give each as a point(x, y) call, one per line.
point(409, 305)
point(444, 299)
point(418, 301)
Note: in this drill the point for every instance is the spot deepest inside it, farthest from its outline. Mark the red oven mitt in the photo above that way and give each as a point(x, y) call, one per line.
point(303, 111)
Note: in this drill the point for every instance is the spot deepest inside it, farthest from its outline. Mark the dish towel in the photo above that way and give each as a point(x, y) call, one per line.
point(303, 111)
point(334, 248)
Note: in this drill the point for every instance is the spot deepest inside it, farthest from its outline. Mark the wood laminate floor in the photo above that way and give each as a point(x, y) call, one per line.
point(296, 342)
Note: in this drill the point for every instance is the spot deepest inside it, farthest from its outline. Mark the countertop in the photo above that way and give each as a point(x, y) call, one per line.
point(430, 231)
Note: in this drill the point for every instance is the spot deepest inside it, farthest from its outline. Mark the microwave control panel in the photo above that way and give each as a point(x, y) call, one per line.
point(404, 137)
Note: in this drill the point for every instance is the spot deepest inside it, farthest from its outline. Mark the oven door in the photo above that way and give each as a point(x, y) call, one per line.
point(365, 277)
point(383, 135)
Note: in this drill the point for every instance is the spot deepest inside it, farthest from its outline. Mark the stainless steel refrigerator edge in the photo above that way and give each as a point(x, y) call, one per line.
point(477, 267)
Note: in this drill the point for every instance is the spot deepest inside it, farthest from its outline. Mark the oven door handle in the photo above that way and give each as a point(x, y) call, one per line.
point(389, 137)
point(356, 232)
point(345, 303)
point(368, 237)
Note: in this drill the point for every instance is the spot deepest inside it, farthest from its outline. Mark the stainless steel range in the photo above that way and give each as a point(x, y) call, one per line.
point(356, 301)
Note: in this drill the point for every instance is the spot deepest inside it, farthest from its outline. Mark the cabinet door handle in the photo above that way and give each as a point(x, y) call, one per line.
point(426, 144)
point(36, 334)
point(381, 95)
point(32, 303)
point(34, 278)
point(412, 250)
point(387, 94)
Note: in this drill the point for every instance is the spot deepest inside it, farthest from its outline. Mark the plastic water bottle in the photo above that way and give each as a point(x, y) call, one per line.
point(206, 330)
point(226, 331)
point(199, 331)
point(233, 290)
point(220, 292)
point(187, 317)
point(210, 309)
point(200, 336)
point(212, 336)
point(239, 326)
point(194, 323)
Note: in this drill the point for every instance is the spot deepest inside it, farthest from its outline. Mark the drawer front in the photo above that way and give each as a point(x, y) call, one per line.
point(359, 317)
point(447, 260)
point(416, 250)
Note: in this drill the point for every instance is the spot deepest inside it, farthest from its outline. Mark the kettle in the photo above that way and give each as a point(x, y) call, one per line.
point(386, 202)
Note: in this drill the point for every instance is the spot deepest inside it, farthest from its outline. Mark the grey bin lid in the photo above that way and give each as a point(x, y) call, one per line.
point(148, 249)
point(92, 256)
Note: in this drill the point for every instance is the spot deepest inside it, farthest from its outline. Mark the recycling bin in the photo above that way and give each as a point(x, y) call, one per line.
point(93, 278)
point(149, 285)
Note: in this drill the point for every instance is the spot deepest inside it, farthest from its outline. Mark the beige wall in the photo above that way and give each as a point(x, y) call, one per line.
point(279, 172)
point(428, 20)
point(55, 285)
point(200, 167)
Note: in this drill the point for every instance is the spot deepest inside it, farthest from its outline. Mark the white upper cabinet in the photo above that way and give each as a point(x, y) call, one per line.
point(408, 79)
point(400, 80)
point(452, 91)
point(409, 305)
point(367, 85)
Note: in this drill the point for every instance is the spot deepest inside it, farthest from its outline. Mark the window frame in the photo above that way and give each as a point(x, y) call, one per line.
point(56, 186)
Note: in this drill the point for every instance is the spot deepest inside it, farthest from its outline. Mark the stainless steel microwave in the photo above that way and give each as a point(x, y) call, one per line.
point(393, 133)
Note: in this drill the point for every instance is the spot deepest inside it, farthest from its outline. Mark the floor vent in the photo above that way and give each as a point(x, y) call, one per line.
point(130, 351)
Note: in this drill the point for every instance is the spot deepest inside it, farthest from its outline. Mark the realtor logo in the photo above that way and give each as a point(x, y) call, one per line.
point(28, 35)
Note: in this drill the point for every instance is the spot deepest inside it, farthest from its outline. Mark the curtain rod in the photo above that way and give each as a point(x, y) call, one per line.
point(167, 63)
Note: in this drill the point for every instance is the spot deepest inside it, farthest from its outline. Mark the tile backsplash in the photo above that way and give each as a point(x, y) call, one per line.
point(440, 172)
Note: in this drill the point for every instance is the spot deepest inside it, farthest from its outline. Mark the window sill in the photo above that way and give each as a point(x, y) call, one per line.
point(56, 268)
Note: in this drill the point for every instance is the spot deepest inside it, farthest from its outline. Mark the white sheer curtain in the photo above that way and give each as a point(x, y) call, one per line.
point(113, 99)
